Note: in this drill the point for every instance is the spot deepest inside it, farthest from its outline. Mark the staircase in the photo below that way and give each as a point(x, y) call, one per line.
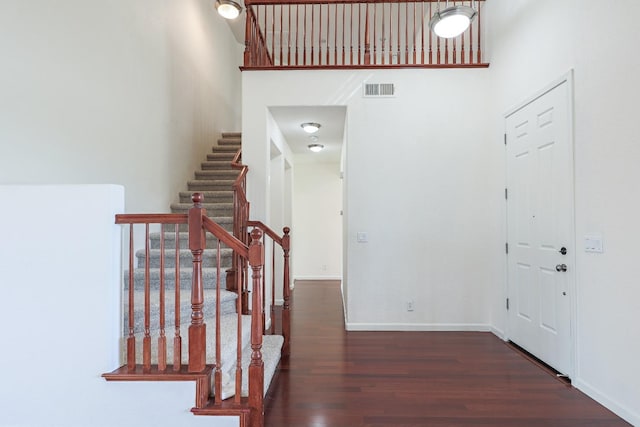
point(215, 181)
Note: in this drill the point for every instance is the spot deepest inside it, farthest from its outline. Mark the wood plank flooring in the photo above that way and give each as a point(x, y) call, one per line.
point(335, 378)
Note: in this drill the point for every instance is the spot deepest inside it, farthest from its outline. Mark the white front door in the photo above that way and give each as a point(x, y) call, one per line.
point(540, 226)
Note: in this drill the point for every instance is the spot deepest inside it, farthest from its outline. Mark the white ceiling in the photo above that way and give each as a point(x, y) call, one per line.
point(331, 133)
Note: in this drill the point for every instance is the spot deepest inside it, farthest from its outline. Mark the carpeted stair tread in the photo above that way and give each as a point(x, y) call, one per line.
point(185, 257)
point(221, 156)
point(210, 184)
point(230, 174)
point(217, 209)
point(236, 135)
point(227, 306)
point(222, 196)
point(209, 278)
point(183, 236)
point(229, 148)
point(216, 165)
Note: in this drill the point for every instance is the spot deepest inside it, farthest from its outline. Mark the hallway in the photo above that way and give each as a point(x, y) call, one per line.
point(335, 378)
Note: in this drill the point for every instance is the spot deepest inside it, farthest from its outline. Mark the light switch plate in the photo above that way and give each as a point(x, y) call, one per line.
point(362, 237)
point(593, 243)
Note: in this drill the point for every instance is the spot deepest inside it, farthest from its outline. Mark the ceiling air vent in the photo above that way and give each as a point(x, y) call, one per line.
point(379, 90)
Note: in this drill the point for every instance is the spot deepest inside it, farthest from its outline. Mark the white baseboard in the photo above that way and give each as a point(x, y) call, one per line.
point(498, 333)
point(317, 278)
point(426, 327)
point(620, 410)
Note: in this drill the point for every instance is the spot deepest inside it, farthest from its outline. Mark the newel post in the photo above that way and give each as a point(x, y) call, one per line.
point(286, 292)
point(256, 367)
point(197, 329)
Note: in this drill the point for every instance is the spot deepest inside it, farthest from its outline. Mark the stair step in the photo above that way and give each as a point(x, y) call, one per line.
point(220, 156)
point(183, 236)
point(237, 135)
point(230, 174)
point(226, 148)
point(210, 184)
point(225, 222)
point(229, 337)
point(209, 278)
point(216, 165)
point(217, 209)
point(227, 306)
point(209, 196)
point(185, 258)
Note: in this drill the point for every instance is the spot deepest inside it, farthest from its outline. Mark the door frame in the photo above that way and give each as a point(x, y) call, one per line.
point(572, 280)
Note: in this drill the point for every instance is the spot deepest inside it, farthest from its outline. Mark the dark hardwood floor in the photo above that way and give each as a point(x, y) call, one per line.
point(335, 378)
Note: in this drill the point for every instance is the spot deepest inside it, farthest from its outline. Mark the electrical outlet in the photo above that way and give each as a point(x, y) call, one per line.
point(409, 305)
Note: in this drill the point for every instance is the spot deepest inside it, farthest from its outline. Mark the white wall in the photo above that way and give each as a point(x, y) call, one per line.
point(317, 221)
point(60, 307)
point(127, 92)
point(424, 180)
point(534, 43)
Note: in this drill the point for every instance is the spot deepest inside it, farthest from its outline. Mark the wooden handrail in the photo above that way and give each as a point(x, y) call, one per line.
point(267, 230)
point(226, 238)
point(151, 218)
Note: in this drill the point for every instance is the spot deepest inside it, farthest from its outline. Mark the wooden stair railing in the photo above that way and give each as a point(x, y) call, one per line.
point(284, 242)
point(249, 255)
point(304, 34)
point(238, 274)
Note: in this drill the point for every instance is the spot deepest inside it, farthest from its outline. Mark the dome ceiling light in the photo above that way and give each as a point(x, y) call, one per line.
point(316, 148)
point(310, 127)
point(452, 21)
point(228, 9)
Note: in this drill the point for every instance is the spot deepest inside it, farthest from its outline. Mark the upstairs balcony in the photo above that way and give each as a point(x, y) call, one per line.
point(348, 34)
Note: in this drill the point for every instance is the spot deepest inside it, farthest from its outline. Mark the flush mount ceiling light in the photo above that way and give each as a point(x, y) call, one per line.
point(310, 127)
point(316, 148)
point(452, 20)
point(228, 9)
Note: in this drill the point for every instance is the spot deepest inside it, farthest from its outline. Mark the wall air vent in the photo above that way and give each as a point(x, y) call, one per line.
point(379, 90)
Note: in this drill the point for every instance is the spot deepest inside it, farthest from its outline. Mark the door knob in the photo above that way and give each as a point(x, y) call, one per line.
point(561, 267)
point(563, 250)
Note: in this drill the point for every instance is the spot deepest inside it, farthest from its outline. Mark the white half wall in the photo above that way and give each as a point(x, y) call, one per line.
point(128, 92)
point(424, 181)
point(60, 308)
point(535, 42)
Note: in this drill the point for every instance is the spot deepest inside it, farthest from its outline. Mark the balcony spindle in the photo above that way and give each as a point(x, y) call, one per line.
point(162, 339)
point(177, 339)
point(146, 341)
point(131, 339)
point(478, 18)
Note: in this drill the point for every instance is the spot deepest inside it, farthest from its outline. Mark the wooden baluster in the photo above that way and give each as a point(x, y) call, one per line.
point(462, 50)
point(197, 329)
point(264, 290)
point(406, 32)
point(344, 32)
point(415, 57)
point(273, 287)
point(256, 367)
point(383, 41)
point(430, 40)
point(351, 41)
point(217, 376)
point(313, 23)
point(177, 339)
point(297, 30)
point(320, 34)
point(479, 53)
point(131, 339)
point(390, 33)
point(399, 55)
point(248, 42)
point(367, 53)
point(162, 339)
point(238, 382)
point(374, 54)
point(273, 31)
point(335, 36)
point(422, 31)
point(289, 41)
point(146, 341)
point(304, 37)
point(328, 32)
point(286, 293)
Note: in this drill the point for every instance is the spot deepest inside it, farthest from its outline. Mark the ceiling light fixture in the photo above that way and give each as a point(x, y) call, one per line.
point(452, 20)
point(228, 9)
point(316, 148)
point(310, 127)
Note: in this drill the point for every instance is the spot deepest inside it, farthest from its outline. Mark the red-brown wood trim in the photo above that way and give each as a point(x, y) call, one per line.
point(363, 67)
point(268, 2)
point(151, 219)
point(267, 230)
point(197, 329)
point(223, 235)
